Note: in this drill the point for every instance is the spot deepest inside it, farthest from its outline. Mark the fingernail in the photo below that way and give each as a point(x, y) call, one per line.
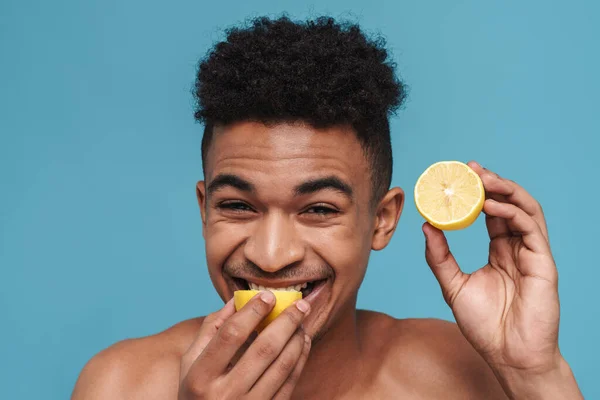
point(306, 339)
point(303, 306)
point(267, 297)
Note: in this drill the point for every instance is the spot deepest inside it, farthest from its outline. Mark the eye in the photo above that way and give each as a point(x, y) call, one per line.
point(237, 206)
point(321, 210)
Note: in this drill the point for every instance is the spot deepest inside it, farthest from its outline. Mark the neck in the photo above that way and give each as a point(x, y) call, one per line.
point(334, 362)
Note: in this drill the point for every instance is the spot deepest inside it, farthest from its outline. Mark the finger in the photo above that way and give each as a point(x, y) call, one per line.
point(442, 263)
point(238, 354)
point(279, 371)
point(496, 226)
point(520, 223)
point(231, 336)
point(286, 390)
point(512, 193)
point(515, 194)
point(207, 331)
point(268, 345)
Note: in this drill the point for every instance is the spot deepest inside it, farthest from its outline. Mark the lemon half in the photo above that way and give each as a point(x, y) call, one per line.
point(449, 195)
point(283, 300)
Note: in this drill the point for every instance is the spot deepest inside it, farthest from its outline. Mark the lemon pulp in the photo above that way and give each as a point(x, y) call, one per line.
point(449, 195)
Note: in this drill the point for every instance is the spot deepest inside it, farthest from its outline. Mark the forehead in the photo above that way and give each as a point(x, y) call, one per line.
point(289, 151)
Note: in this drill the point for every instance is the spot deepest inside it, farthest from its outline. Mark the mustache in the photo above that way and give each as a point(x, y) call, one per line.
point(249, 269)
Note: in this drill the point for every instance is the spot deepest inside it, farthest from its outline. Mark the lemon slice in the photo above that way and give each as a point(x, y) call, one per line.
point(283, 300)
point(449, 195)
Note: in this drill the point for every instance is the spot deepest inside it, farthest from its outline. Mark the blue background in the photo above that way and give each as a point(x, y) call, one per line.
point(99, 154)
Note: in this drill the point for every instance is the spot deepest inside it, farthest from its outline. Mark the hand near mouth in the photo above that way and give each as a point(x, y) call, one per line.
point(509, 309)
point(214, 368)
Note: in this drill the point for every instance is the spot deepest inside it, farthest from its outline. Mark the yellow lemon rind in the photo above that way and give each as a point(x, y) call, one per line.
point(283, 300)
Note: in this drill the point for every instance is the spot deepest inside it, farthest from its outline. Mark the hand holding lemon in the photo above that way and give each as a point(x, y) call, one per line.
point(221, 363)
point(508, 309)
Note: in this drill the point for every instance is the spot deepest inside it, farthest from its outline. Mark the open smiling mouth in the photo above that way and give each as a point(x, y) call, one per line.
point(306, 287)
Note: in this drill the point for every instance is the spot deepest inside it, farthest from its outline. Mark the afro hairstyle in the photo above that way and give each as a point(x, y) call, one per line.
point(318, 72)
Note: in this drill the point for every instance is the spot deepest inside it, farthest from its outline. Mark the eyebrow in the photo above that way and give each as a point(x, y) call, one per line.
point(223, 180)
point(327, 183)
point(308, 187)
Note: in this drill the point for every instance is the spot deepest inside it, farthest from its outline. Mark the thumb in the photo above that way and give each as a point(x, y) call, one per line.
point(442, 263)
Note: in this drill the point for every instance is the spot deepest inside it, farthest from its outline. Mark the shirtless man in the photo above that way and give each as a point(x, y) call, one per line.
point(297, 165)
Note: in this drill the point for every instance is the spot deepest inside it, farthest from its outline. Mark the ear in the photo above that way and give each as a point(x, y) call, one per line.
point(201, 196)
point(387, 215)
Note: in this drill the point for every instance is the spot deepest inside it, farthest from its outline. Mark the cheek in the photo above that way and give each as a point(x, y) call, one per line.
point(344, 248)
point(221, 241)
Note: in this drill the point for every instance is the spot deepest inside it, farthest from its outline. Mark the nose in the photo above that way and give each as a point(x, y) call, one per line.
point(274, 244)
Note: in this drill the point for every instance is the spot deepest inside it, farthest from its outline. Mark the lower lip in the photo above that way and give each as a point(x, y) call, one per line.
point(315, 292)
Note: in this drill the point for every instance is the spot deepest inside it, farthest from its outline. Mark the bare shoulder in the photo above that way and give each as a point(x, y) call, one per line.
point(146, 367)
point(431, 356)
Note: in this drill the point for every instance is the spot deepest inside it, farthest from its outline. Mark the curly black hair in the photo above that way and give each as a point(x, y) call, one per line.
point(318, 72)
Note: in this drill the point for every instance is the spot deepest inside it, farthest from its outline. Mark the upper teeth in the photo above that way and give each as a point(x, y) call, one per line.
point(292, 288)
